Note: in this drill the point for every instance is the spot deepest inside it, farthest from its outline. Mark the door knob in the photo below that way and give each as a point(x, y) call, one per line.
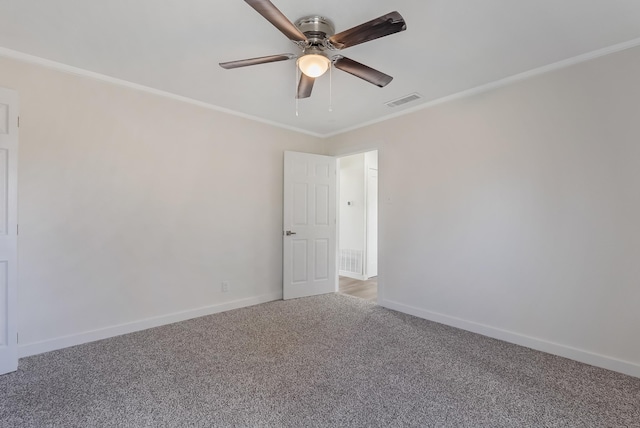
point(289, 233)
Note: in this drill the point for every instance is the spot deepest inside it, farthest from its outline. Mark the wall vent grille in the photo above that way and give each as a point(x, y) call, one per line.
point(403, 100)
point(351, 261)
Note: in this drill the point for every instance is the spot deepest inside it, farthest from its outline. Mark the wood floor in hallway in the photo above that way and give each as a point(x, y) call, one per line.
point(367, 290)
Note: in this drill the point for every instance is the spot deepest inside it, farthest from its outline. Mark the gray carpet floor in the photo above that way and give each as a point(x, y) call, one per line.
point(322, 361)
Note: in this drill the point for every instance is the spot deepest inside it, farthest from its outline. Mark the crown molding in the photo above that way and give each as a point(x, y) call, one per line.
point(20, 56)
point(498, 83)
point(9, 53)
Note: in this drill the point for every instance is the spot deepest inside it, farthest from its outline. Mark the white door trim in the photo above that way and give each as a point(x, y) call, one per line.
point(8, 230)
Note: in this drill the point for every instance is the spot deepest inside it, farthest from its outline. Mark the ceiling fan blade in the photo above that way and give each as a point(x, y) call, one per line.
point(385, 25)
point(256, 61)
point(305, 86)
point(369, 74)
point(277, 18)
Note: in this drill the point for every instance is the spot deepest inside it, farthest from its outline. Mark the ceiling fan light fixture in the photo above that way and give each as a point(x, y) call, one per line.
point(314, 65)
point(315, 36)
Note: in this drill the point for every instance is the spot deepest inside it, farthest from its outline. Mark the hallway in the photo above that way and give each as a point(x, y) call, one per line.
point(367, 290)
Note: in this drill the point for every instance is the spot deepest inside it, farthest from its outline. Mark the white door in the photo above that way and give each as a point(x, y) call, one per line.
point(8, 230)
point(309, 262)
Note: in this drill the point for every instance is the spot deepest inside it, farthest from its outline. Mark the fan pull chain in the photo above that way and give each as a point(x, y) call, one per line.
point(295, 92)
point(330, 87)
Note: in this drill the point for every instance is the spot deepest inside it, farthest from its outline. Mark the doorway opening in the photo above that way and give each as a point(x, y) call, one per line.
point(358, 225)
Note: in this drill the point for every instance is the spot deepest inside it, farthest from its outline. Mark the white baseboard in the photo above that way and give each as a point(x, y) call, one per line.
point(28, 349)
point(603, 361)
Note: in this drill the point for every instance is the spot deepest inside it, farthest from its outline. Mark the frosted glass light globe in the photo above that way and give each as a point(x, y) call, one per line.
point(314, 65)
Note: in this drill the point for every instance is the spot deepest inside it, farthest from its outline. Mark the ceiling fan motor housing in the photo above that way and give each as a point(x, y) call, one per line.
point(316, 28)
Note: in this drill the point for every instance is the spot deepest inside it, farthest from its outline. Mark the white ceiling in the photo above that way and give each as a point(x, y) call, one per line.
point(449, 46)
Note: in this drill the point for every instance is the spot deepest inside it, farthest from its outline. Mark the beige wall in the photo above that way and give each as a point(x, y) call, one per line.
point(515, 212)
point(512, 213)
point(134, 206)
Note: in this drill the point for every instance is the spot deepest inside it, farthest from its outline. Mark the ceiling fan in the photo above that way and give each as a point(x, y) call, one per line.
point(315, 36)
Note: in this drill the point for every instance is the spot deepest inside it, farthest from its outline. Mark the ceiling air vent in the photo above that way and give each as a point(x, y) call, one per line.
point(403, 100)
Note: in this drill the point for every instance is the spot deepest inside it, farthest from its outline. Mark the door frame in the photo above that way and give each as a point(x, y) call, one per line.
point(348, 151)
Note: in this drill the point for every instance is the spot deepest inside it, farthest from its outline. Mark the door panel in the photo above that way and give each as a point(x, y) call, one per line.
point(4, 302)
point(309, 259)
point(8, 230)
point(300, 203)
point(322, 259)
point(4, 185)
point(299, 261)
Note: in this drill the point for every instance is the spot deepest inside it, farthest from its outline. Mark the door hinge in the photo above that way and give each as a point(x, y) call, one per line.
point(17, 229)
point(17, 337)
point(18, 121)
